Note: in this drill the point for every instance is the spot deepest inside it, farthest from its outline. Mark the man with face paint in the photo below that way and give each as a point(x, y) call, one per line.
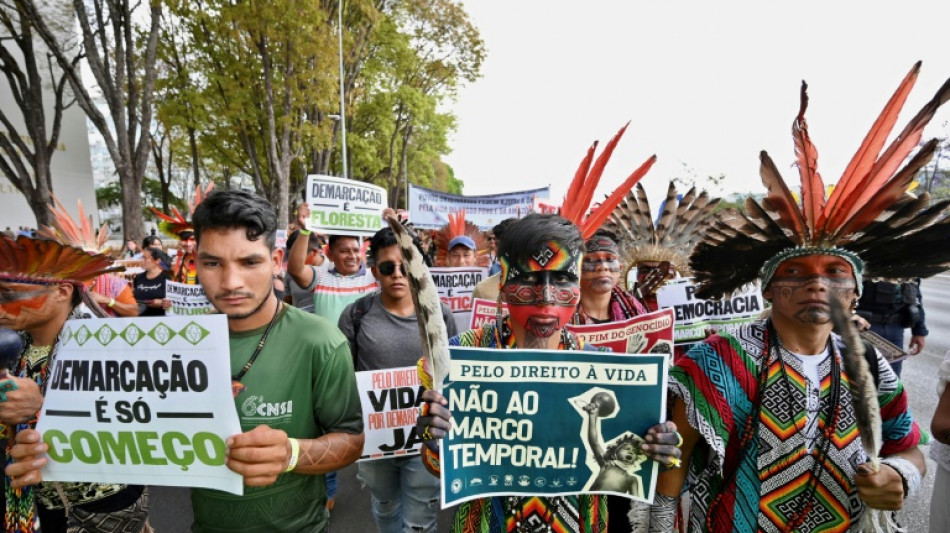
point(540, 267)
point(771, 433)
point(602, 299)
point(42, 284)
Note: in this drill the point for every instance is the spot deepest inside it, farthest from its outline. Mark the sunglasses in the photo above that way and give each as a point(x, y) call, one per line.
point(387, 268)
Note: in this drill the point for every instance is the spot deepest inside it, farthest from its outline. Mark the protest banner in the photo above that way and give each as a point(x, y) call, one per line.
point(344, 207)
point(186, 300)
point(693, 315)
point(430, 209)
point(484, 311)
point(543, 422)
point(144, 401)
point(455, 286)
point(281, 239)
point(649, 333)
point(390, 400)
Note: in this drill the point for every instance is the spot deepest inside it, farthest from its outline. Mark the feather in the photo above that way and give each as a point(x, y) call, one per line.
point(599, 215)
point(684, 209)
point(867, 410)
point(570, 199)
point(580, 205)
point(428, 306)
point(867, 153)
point(665, 220)
point(780, 199)
point(813, 188)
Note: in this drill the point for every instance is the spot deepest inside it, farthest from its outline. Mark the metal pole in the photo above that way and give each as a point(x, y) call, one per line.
point(342, 108)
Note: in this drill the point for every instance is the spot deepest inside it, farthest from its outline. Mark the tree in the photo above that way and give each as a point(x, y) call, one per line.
point(120, 53)
point(26, 151)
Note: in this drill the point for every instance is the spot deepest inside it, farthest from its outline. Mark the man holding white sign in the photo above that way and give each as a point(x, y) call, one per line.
point(383, 333)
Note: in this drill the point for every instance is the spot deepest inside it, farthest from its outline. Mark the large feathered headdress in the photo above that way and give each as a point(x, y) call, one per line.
point(581, 191)
point(676, 231)
point(868, 218)
point(175, 224)
point(67, 231)
point(28, 260)
point(460, 231)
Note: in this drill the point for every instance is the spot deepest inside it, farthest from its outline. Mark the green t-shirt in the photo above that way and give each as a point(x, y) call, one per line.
point(303, 383)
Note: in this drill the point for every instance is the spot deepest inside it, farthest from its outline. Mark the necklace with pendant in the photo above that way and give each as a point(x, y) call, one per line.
point(236, 386)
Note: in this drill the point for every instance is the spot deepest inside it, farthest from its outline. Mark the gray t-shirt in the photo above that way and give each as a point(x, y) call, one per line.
point(386, 340)
point(300, 297)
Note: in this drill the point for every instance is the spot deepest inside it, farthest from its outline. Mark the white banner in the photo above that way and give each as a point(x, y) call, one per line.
point(144, 401)
point(344, 207)
point(390, 400)
point(455, 286)
point(430, 209)
point(693, 315)
point(187, 300)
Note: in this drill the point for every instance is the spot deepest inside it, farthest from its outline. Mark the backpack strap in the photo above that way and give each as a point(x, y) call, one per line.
point(359, 309)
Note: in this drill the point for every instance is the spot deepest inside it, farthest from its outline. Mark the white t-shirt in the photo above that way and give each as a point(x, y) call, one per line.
point(810, 365)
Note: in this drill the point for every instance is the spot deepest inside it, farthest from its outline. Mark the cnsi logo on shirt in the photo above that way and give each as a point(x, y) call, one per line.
point(255, 406)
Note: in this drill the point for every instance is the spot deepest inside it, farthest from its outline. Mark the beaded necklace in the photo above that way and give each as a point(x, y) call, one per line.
point(751, 428)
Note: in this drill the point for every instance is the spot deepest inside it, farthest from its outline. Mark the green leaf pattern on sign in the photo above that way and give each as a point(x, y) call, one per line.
point(161, 333)
point(82, 335)
point(105, 335)
point(132, 334)
point(193, 333)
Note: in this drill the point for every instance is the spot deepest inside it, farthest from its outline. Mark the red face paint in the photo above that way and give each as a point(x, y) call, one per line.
point(802, 287)
point(15, 297)
point(542, 302)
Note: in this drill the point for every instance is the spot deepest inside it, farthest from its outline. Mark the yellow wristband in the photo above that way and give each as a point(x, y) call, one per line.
point(294, 454)
point(111, 302)
point(305, 232)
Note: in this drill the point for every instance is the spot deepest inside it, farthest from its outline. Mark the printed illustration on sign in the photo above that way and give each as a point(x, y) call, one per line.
point(529, 422)
point(649, 333)
point(615, 463)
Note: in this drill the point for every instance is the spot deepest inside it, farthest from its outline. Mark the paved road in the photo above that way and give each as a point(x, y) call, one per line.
point(172, 510)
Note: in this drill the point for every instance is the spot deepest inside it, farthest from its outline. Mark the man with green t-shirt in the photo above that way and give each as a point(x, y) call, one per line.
point(299, 385)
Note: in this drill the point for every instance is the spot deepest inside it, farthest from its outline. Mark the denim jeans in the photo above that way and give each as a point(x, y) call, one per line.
point(404, 495)
point(331, 484)
point(895, 334)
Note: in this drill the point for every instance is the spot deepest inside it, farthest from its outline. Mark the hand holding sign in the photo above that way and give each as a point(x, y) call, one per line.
point(436, 420)
point(28, 456)
point(259, 455)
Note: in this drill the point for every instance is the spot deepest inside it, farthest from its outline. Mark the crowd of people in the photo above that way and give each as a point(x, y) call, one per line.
point(770, 428)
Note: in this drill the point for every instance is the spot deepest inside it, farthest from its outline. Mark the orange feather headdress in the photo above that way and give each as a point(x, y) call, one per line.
point(457, 228)
point(175, 224)
point(67, 231)
point(28, 260)
point(577, 201)
point(868, 218)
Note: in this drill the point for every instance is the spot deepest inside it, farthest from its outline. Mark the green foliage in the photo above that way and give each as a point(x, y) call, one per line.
point(257, 82)
point(111, 196)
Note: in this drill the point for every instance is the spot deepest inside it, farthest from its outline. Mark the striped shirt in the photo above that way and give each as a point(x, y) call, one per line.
point(333, 291)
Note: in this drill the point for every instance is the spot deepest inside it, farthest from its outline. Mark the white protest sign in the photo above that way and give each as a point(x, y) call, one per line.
point(430, 208)
point(390, 400)
point(187, 299)
point(344, 207)
point(455, 286)
point(693, 315)
point(143, 401)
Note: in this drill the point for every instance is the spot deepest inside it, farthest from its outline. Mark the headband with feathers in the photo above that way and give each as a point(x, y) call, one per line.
point(459, 227)
point(676, 231)
point(577, 201)
point(867, 218)
point(29, 260)
point(175, 224)
point(67, 231)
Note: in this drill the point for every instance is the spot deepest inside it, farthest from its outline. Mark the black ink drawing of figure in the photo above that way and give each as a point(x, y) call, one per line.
point(618, 460)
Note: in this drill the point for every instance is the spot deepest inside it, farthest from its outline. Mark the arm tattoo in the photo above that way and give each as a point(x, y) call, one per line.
point(328, 453)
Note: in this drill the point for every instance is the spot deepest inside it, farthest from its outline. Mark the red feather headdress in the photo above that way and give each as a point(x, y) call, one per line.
point(868, 218)
point(581, 191)
point(28, 260)
point(459, 227)
point(175, 224)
